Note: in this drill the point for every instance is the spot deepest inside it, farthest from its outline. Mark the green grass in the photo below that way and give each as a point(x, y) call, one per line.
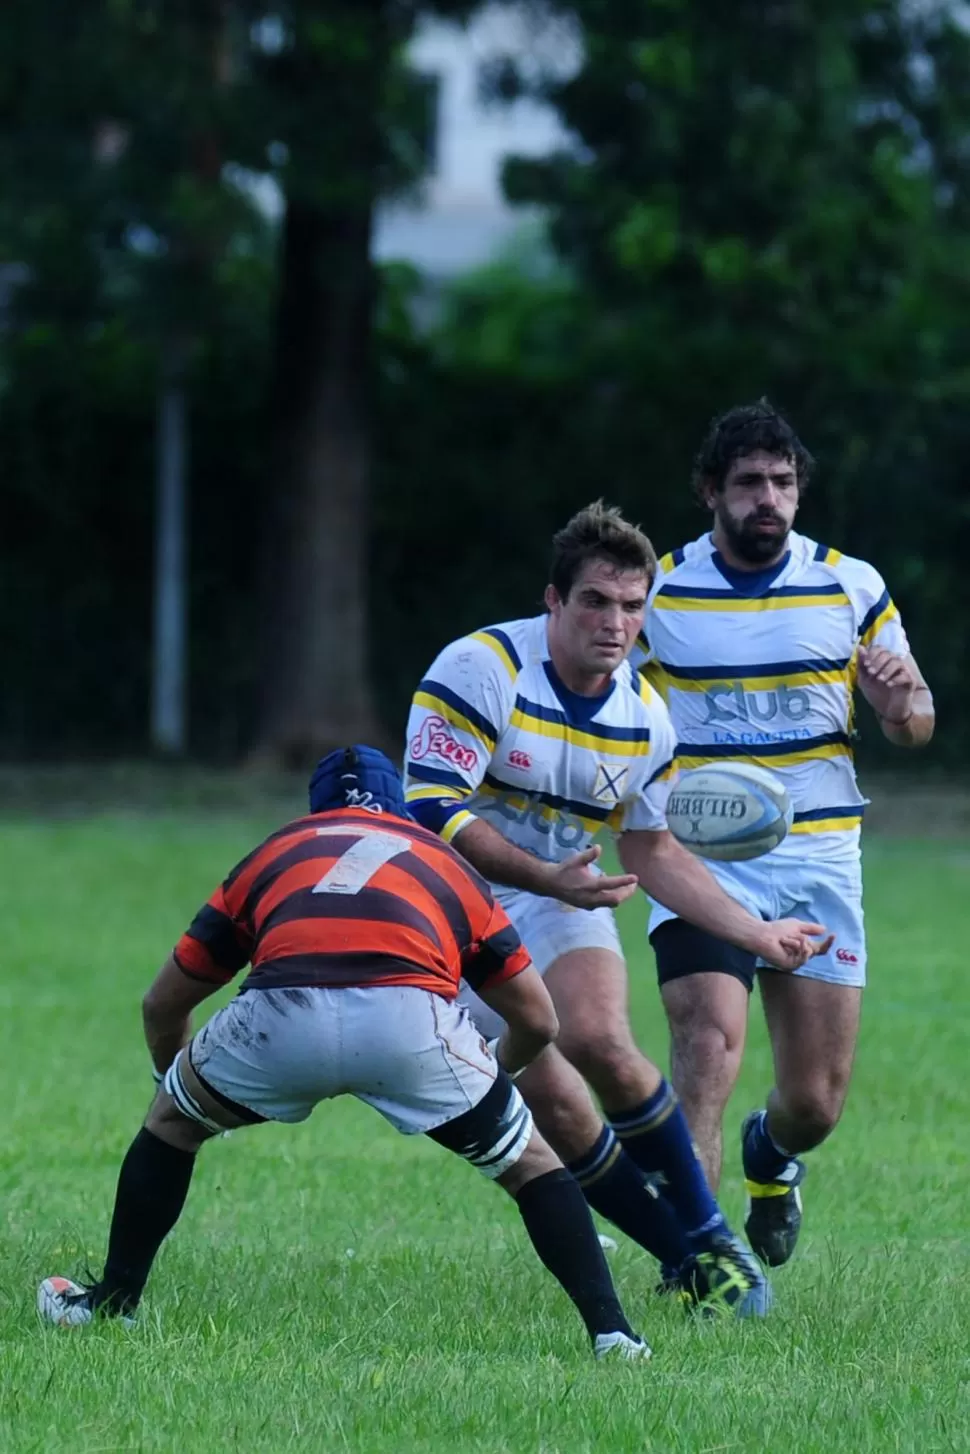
point(337, 1287)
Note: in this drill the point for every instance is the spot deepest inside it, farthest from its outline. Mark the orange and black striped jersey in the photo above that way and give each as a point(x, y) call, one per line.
point(352, 898)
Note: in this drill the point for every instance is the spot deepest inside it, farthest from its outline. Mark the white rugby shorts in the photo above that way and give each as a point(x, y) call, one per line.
point(825, 891)
point(413, 1056)
point(548, 928)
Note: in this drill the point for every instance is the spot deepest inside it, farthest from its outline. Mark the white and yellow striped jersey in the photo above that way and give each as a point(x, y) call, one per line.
point(760, 666)
point(494, 733)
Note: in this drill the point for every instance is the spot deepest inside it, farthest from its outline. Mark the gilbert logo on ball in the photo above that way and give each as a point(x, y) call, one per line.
point(731, 812)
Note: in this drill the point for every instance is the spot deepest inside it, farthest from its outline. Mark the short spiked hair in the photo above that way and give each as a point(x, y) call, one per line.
point(598, 532)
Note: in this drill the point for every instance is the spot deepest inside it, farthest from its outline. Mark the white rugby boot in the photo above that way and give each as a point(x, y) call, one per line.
point(67, 1304)
point(620, 1345)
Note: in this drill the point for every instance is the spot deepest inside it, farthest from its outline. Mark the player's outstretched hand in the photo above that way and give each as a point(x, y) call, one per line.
point(790, 943)
point(573, 883)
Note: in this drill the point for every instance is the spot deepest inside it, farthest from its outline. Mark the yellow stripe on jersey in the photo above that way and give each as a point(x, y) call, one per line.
point(456, 822)
point(832, 557)
point(493, 640)
point(687, 759)
point(666, 562)
point(871, 632)
point(828, 825)
point(454, 717)
point(664, 602)
point(576, 737)
point(654, 674)
point(644, 689)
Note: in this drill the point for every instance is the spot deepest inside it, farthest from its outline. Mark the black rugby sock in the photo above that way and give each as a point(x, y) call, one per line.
point(152, 1187)
point(559, 1224)
point(615, 1187)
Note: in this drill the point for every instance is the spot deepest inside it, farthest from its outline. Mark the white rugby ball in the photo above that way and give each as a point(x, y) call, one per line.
point(730, 812)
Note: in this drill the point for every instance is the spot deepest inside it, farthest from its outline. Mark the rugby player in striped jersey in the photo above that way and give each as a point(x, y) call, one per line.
point(525, 740)
point(358, 926)
point(757, 638)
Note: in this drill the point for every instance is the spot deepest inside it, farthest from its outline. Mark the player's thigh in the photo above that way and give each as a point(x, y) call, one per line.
point(590, 990)
point(707, 1013)
point(705, 984)
point(813, 1026)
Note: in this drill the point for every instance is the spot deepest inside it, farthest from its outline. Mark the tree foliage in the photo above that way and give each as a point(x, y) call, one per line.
point(769, 197)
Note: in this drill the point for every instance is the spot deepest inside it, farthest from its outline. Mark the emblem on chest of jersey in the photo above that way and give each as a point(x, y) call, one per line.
point(518, 758)
point(610, 783)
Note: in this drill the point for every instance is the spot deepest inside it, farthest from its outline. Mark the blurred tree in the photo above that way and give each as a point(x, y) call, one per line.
point(116, 131)
point(347, 119)
point(771, 197)
point(135, 133)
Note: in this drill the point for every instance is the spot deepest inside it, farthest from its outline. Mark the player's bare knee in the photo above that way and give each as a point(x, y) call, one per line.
point(167, 1122)
point(816, 1109)
point(569, 1128)
point(616, 1069)
point(706, 1059)
point(537, 1159)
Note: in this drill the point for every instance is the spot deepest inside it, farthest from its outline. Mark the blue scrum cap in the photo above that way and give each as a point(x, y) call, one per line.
point(357, 777)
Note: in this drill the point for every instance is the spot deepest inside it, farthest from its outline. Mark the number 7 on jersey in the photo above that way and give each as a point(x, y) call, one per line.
point(360, 860)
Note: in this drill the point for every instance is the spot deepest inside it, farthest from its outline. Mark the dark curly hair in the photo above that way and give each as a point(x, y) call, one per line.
point(598, 532)
point(741, 431)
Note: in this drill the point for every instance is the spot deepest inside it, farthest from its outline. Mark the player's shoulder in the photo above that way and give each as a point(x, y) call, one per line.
point(859, 579)
point(687, 565)
point(497, 651)
point(273, 846)
point(683, 562)
point(638, 701)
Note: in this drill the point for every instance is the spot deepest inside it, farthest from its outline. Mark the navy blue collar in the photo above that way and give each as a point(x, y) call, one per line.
point(579, 710)
point(750, 582)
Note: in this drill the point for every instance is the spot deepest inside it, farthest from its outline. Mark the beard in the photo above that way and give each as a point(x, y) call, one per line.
point(751, 541)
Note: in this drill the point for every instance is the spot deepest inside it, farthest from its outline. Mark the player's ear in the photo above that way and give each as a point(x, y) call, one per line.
point(709, 491)
point(552, 599)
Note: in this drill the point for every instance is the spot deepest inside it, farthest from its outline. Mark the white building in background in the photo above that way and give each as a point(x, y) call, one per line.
point(461, 218)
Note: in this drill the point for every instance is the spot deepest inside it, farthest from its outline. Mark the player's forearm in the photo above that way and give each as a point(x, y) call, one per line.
point(165, 1034)
point(502, 862)
point(916, 729)
point(679, 881)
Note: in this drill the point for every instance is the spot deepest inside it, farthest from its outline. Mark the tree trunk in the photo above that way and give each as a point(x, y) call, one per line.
point(315, 690)
point(169, 729)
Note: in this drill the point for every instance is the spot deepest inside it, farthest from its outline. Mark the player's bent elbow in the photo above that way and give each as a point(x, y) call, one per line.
point(526, 1006)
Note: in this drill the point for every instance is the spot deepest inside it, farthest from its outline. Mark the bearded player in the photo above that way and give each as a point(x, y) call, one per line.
point(758, 639)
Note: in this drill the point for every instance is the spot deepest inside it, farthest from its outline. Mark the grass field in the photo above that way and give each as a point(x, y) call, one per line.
point(336, 1287)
